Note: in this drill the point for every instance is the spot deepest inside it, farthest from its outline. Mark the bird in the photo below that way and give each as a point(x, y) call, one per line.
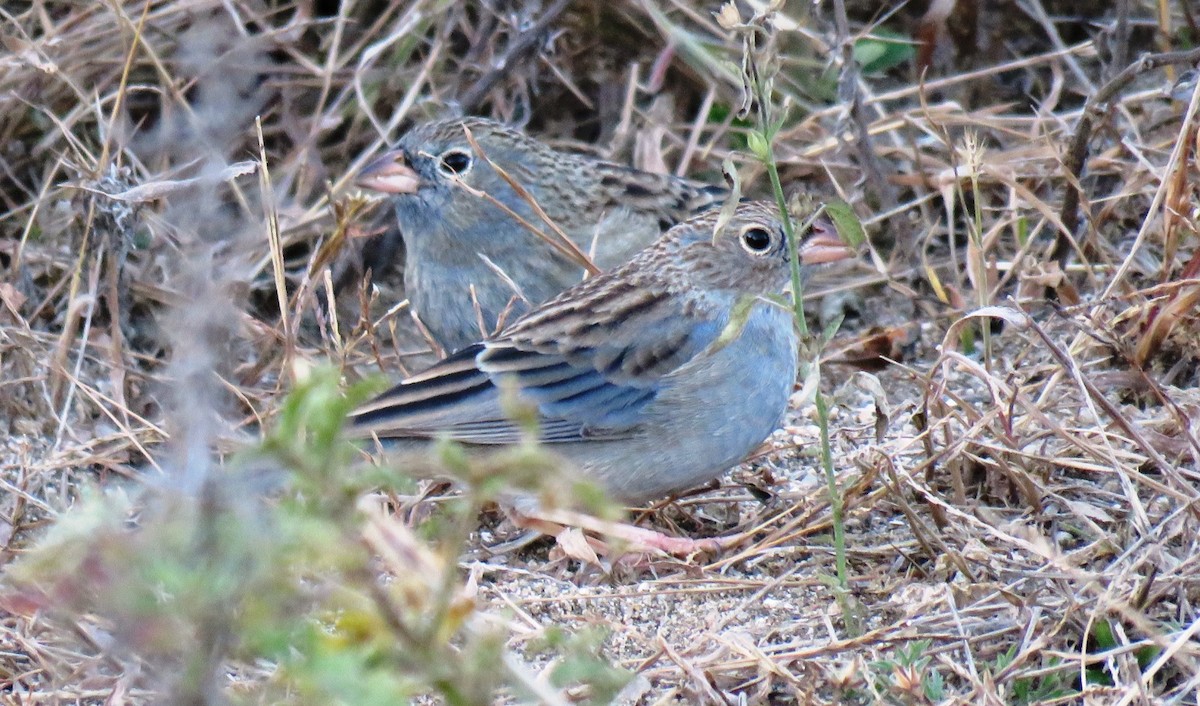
point(472, 263)
point(649, 379)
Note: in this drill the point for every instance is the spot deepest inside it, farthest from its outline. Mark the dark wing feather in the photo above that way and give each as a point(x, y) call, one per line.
point(430, 401)
point(595, 386)
point(671, 199)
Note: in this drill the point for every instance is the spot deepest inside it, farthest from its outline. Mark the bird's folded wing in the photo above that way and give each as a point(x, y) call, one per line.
point(669, 198)
point(451, 392)
point(596, 387)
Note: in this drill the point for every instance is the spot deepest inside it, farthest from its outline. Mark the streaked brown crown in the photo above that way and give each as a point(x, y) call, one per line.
point(585, 186)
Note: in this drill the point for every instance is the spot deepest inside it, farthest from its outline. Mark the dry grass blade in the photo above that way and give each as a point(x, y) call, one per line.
point(561, 242)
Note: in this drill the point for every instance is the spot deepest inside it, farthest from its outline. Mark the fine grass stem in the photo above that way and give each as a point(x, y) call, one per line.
point(762, 143)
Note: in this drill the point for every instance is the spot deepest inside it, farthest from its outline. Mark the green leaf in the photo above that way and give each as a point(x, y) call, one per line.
point(934, 686)
point(1102, 637)
point(847, 225)
point(738, 317)
point(884, 49)
point(758, 146)
point(1022, 231)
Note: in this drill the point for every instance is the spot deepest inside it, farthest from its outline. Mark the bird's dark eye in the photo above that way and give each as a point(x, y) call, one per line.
point(756, 240)
point(455, 162)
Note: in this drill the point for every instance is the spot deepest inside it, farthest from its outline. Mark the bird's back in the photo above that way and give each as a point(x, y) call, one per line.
point(625, 209)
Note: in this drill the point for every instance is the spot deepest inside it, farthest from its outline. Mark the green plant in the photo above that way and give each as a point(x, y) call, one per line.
point(345, 600)
point(1101, 639)
point(907, 676)
point(759, 66)
point(1030, 690)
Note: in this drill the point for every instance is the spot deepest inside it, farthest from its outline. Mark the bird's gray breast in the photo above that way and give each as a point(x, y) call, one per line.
point(708, 415)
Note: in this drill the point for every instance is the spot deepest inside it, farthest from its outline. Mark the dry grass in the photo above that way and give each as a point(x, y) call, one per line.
point(1022, 488)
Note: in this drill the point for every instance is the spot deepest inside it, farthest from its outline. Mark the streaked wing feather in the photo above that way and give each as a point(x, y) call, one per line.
point(502, 431)
point(578, 393)
point(588, 379)
point(670, 199)
point(450, 393)
point(599, 374)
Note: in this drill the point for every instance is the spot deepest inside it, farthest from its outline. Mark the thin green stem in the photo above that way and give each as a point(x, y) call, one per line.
point(789, 229)
point(835, 498)
point(768, 131)
point(982, 291)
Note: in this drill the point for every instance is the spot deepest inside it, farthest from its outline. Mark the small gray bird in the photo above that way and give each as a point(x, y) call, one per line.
point(650, 379)
point(470, 262)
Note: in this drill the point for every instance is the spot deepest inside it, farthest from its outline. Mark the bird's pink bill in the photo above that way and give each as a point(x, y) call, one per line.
point(823, 245)
point(389, 174)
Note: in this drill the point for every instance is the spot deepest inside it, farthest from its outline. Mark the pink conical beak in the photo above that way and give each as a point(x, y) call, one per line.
point(823, 245)
point(389, 174)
